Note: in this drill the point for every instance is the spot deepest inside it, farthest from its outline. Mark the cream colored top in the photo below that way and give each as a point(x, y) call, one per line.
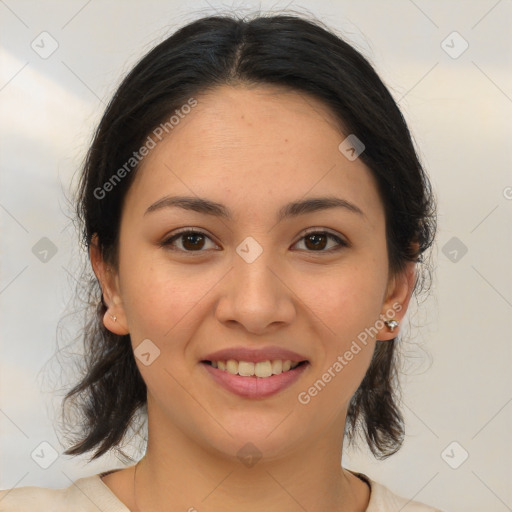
point(91, 494)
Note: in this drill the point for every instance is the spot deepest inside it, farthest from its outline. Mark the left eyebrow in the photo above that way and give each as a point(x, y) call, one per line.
point(293, 209)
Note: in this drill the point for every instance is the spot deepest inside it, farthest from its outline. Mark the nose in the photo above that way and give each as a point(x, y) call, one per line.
point(256, 297)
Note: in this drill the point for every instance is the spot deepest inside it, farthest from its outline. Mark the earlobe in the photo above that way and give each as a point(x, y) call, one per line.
point(113, 323)
point(114, 318)
point(400, 289)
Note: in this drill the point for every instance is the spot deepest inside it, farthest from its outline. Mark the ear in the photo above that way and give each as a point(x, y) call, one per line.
point(114, 319)
point(398, 295)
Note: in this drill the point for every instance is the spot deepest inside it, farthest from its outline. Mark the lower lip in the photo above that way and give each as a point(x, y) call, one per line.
point(255, 387)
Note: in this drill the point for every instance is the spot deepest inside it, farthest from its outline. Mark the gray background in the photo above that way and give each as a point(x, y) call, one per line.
point(457, 378)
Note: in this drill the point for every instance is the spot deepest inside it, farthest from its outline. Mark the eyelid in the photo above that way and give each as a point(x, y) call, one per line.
point(181, 231)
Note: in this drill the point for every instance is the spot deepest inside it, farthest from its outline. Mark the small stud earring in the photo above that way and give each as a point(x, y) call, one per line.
point(114, 317)
point(392, 324)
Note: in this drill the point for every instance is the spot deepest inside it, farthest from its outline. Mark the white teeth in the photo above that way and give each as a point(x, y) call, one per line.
point(232, 366)
point(261, 369)
point(245, 369)
point(277, 367)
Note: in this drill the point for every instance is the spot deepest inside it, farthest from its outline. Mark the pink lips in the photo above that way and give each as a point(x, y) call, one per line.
point(255, 387)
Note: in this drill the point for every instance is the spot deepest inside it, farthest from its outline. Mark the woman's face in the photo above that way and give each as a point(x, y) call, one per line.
point(272, 275)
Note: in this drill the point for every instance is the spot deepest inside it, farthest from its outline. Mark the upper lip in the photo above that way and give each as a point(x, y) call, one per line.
point(255, 355)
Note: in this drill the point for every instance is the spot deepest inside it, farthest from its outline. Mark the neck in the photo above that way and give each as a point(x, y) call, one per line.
point(178, 474)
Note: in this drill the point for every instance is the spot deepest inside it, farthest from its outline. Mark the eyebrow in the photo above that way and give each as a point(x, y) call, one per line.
point(293, 209)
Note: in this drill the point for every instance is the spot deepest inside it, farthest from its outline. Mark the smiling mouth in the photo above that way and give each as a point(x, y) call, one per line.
point(261, 369)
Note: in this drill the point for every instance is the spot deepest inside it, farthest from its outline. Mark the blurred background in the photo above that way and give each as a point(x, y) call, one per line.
point(449, 66)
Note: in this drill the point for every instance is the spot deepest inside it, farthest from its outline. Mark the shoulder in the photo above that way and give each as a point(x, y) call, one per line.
point(384, 500)
point(87, 494)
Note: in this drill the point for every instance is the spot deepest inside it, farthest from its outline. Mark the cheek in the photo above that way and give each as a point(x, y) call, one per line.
point(346, 300)
point(347, 306)
point(164, 301)
point(158, 309)
point(156, 295)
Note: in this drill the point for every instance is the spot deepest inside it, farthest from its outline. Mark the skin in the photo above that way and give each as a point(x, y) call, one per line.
point(252, 149)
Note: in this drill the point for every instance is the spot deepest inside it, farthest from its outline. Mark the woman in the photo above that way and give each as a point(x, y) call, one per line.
point(254, 212)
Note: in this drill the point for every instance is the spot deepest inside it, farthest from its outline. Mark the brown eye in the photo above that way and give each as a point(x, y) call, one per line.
point(317, 241)
point(193, 241)
point(188, 241)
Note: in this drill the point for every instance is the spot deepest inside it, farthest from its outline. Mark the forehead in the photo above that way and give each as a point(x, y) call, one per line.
point(254, 118)
point(258, 144)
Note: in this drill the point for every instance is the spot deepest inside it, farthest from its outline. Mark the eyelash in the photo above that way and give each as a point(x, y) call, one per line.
point(167, 243)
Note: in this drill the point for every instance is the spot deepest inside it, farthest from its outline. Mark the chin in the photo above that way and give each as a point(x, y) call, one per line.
point(256, 437)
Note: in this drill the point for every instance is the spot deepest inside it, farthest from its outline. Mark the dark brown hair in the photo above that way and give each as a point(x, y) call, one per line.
point(287, 51)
